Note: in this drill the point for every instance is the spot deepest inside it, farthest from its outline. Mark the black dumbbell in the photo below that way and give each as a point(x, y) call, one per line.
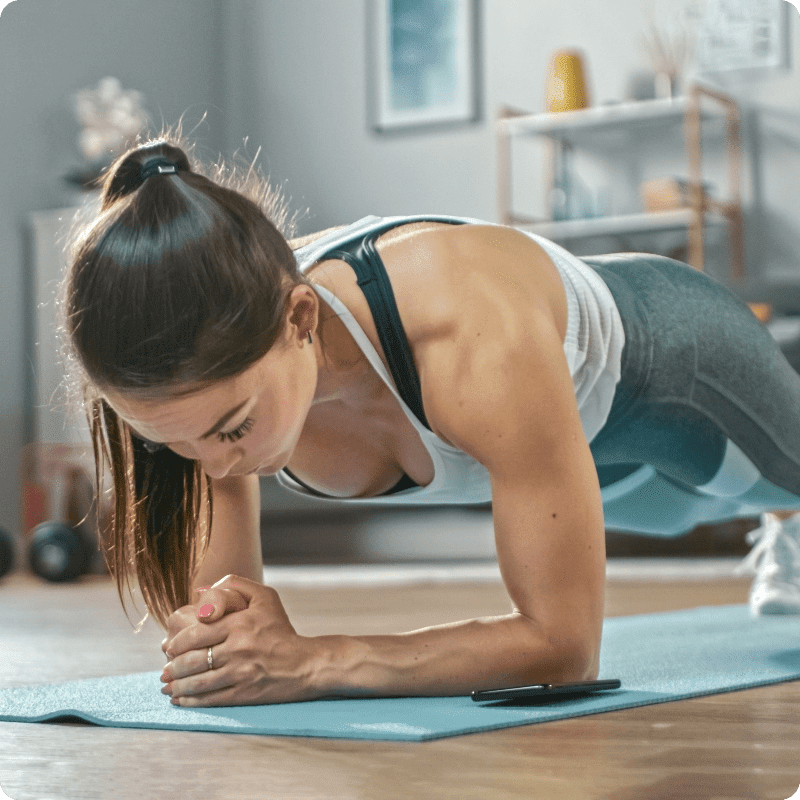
point(6, 553)
point(58, 552)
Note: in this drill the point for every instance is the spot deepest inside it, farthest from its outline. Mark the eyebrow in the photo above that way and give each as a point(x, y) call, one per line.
point(224, 419)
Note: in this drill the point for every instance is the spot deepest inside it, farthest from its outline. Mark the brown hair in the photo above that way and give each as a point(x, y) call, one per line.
point(180, 281)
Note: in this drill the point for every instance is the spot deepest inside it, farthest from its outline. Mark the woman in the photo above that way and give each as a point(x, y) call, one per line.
point(519, 375)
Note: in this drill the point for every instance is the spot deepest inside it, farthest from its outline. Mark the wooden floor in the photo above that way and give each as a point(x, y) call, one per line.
point(739, 745)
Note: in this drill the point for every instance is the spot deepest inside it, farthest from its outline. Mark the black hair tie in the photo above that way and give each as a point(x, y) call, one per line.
point(146, 444)
point(157, 166)
point(151, 447)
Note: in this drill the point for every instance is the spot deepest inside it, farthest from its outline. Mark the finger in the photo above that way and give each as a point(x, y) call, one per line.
point(224, 696)
point(233, 693)
point(199, 636)
point(214, 628)
point(180, 619)
point(244, 586)
point(193, 662)
point(215, 603)
point(221, 688)
point(256, 594)
point(202, 684)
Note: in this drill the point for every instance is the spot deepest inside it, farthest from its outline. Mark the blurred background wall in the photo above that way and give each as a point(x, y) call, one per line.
point(49, 50)
point(291, 79)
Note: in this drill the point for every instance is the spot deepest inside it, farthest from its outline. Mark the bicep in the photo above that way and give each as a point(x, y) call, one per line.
point(235, 545)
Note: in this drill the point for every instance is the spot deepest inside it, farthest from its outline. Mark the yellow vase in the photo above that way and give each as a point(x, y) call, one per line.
point(566, 82)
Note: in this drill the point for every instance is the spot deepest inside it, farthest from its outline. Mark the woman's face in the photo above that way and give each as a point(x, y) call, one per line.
point(247, 424)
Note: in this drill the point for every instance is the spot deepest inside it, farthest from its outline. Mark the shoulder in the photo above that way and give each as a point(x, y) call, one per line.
point(486, 314)
point(448, 278)
point(501, 389)
point(471, 297)
point(303, 241)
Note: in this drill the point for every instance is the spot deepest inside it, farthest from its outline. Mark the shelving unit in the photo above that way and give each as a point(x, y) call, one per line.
point(614, 130)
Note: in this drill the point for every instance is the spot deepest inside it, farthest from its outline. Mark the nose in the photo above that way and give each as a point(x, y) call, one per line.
point(217, 460)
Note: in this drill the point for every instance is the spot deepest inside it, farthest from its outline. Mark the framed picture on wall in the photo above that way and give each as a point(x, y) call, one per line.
point(744, 35)
point(423, 64)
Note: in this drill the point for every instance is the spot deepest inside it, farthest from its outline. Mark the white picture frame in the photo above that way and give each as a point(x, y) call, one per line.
point(743, 36)
point(423, 63)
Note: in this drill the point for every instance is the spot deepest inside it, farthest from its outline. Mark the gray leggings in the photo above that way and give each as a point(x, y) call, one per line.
point(698, 370)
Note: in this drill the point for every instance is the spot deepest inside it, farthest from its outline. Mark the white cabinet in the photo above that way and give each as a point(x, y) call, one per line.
point(55, 421)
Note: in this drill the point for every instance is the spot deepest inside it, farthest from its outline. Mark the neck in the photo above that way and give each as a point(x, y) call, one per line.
point(342, 369)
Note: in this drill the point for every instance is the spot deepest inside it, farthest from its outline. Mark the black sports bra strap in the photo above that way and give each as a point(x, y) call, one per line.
point(374, 283)
point(366, 263)
point(363, 257)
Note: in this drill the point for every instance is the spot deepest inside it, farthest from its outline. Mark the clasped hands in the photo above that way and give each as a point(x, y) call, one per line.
point(257, 655)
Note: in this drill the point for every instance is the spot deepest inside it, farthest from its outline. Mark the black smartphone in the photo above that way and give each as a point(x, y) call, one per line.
point(546, 690)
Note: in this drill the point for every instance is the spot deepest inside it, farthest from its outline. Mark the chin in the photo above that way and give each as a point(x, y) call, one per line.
point(270, 469)
point(264, 472)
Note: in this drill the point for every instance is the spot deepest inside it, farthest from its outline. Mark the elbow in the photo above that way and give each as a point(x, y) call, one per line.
point(574, 658)
point(578, 661)
point(570, 656)
point(578, 654)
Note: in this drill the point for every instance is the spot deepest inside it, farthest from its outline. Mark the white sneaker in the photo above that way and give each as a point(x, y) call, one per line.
point(775, 561)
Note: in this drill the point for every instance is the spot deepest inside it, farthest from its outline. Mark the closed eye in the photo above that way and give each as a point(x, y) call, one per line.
point(237, 433)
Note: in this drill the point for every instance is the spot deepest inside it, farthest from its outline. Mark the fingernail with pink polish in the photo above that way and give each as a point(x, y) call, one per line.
point(206, 611)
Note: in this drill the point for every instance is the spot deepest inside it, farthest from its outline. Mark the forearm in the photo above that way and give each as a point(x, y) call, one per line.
point(451, 659)
point(235, 547)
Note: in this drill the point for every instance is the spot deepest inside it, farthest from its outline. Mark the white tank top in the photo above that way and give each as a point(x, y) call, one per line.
point(592, 346)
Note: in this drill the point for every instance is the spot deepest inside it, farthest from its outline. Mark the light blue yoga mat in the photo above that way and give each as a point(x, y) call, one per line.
point(658, 657)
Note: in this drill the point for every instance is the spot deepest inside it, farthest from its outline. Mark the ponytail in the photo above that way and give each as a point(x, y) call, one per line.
point(180, 282)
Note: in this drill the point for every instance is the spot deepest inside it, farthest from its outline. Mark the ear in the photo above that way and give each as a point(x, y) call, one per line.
point(302, 313)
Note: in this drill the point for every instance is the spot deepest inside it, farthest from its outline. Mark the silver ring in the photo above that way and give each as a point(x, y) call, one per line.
point(210, 659)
